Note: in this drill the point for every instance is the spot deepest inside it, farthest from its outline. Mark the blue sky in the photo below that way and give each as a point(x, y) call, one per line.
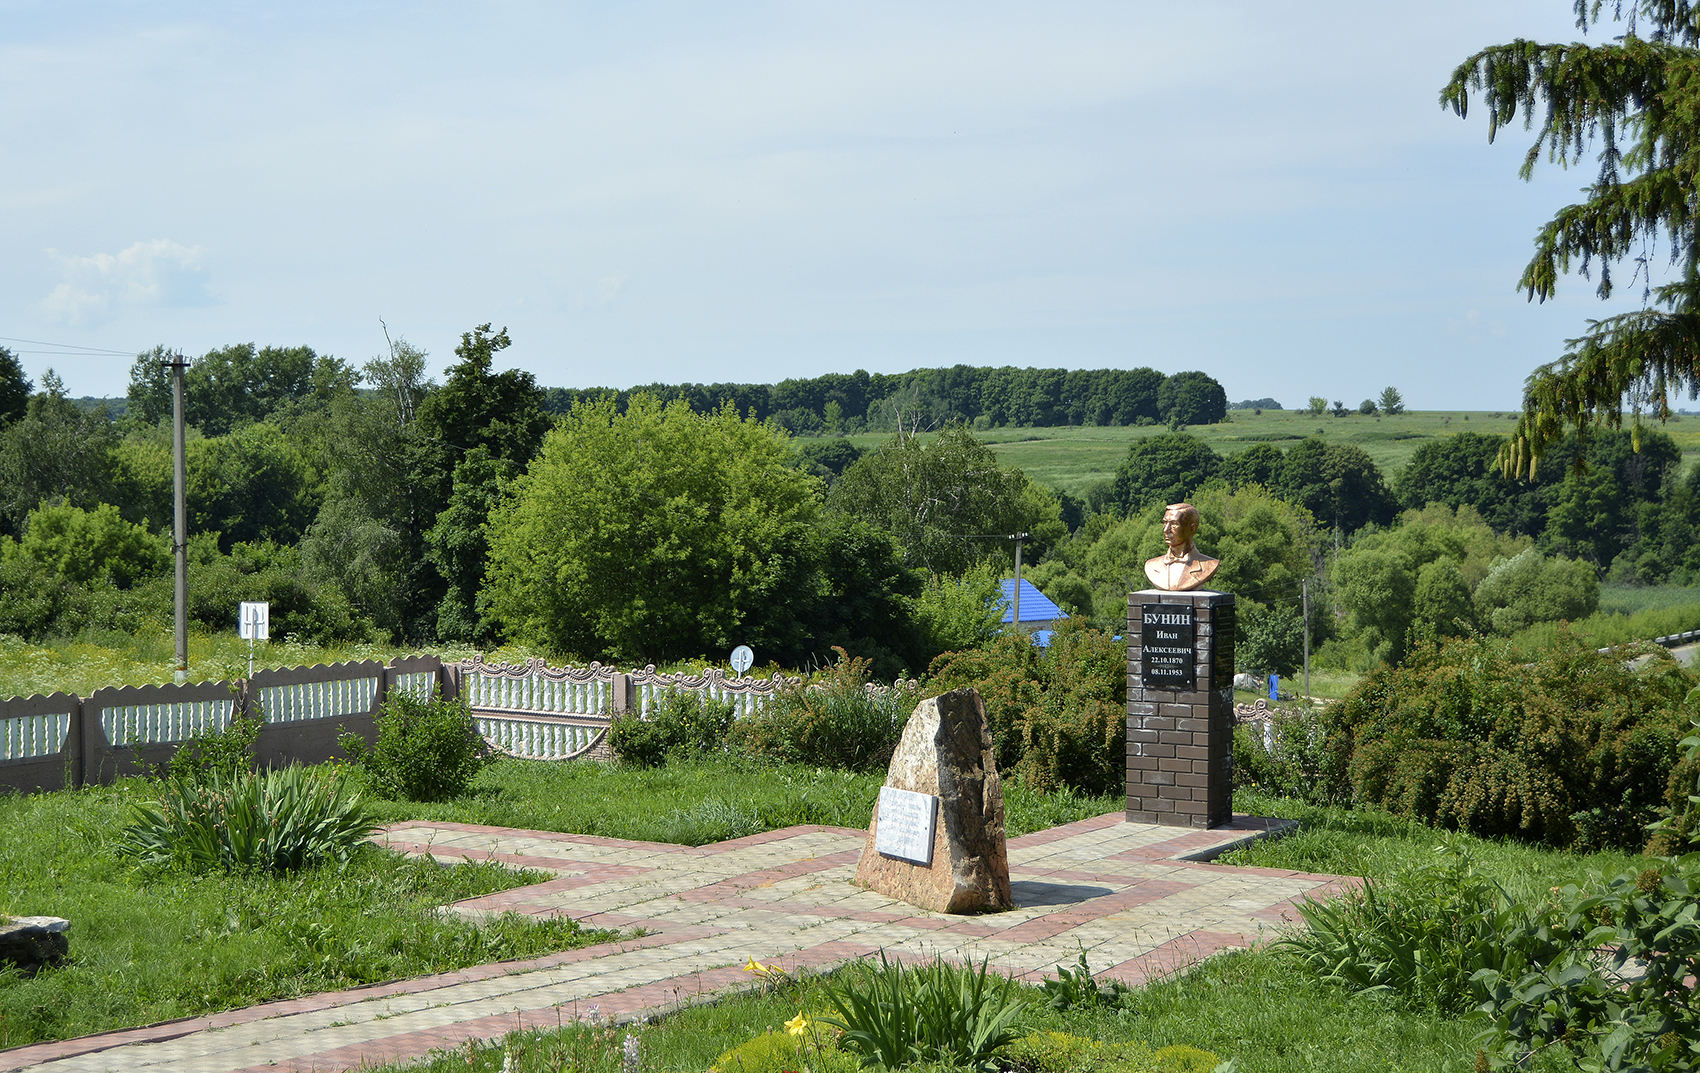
point(744, 191)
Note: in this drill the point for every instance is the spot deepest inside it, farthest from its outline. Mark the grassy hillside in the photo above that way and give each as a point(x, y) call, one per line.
point(1072, 458)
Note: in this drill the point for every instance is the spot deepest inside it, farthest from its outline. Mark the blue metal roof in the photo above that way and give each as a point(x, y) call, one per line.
point(1035, 605)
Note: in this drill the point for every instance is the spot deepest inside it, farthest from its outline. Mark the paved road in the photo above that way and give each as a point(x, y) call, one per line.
point(1137, 897)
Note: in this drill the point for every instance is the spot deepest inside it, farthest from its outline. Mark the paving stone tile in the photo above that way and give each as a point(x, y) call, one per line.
point(1134, 896)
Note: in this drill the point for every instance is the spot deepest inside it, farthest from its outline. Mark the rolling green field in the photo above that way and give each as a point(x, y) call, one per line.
point(1072, 458)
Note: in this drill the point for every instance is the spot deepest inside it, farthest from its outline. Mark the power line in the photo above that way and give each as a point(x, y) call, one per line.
point(67, 349)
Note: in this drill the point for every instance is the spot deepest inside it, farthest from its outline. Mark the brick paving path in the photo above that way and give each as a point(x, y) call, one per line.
point(1138, 898)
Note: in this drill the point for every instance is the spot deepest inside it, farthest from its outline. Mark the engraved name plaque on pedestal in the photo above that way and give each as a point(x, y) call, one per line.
point(906, 823)
point(1167, 635)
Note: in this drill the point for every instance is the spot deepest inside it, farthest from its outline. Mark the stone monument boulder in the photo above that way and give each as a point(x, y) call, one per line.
point(944, 846)
point(31, 942)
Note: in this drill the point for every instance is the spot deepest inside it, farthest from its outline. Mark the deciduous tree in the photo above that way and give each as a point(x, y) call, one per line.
point(652, 534)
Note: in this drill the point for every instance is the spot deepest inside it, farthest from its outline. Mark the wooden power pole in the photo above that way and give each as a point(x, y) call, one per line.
point(180, 518)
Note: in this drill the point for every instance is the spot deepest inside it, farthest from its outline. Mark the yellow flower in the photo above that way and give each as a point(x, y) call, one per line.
point(798, 1025)
point(764, 971)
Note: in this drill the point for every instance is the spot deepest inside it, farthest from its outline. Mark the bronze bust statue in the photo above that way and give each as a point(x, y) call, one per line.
point(1184, 567)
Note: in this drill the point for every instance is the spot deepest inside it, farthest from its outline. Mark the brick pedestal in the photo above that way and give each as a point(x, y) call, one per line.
point(1180, 741)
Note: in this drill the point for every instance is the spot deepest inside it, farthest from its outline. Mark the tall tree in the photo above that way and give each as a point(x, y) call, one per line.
point(56, 453)
point(14, 387)
point(475, 432)
point(1163, 469)
point(1633, 101)
point(654, 534)
point(947, 501)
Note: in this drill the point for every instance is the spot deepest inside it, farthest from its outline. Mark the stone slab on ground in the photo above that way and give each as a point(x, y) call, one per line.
point(28, 943)
point(1135, 897)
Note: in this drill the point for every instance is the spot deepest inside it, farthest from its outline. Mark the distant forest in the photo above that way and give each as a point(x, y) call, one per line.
point(976, 396)
point(981, 397)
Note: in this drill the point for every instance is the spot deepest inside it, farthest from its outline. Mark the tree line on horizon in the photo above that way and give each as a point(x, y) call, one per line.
point(377, 503)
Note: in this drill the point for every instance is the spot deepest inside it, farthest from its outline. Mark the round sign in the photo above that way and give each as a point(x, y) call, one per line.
point(742, 657)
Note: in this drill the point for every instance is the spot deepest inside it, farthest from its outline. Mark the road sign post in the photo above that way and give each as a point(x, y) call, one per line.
point(253, 622)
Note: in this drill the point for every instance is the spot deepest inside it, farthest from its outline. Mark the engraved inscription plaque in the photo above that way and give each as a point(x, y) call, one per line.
point(906, 822)
point(1167, 660)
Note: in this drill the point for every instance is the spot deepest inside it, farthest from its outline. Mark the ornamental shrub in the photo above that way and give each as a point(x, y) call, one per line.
point(1058, 715)
point(836, 719)
point(681, 723)
point(227, 750)
point(427, 750)
point(1573, 750)
point(894, 1015)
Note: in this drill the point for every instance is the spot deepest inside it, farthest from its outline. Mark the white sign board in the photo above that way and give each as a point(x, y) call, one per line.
point(254, 621)
point(742, 657)
point(905, 828)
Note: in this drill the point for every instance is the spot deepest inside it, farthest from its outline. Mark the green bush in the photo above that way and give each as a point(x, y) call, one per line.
point(895, 1016)
point(273, 821)
point(1295, 762)
point(1529, 588)
point(227, 750)
point(1574, 749)
point(427, 750)
point(837, 719)
point(681, 723)
point(1060, 1052)
point(785, 1052)
point(1058, 715)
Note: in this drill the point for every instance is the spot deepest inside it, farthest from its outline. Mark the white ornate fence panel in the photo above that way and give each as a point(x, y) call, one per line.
point(27, 736)
point(538, 712)
point(541, 737)
point(536, 688)
point(748, 695)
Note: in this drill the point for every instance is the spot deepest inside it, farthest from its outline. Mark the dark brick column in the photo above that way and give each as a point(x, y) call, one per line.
point(1180, 742)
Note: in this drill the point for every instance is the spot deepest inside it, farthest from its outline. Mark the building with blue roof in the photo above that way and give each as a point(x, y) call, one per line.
point(1038, 614)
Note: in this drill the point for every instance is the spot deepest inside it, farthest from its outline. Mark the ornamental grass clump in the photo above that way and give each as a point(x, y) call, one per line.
point(271, 821)
point(893, 1016)
point(1423, 935)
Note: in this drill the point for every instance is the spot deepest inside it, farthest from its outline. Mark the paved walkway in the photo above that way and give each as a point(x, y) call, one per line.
point(1138, 898)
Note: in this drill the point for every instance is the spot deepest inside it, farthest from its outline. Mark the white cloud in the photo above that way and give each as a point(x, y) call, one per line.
point(157, 273)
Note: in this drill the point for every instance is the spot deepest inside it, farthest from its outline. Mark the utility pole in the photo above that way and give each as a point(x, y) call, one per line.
point(1306, 590)
point(180, 519)
point(1015, 617)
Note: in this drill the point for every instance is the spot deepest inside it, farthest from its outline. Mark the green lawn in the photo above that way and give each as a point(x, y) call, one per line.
point(1072, 458)
point(696, 802)
point(151, 944)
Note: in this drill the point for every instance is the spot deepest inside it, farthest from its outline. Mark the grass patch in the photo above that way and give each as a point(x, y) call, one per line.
point(86, 663)
point(1629, 599)
point(1262, 1010)
point(1604, 628)
point(693, 802)
point(151, 944)
point(1377, 844)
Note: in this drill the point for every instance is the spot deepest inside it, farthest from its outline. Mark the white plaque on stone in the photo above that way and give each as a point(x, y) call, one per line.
point(905, 828)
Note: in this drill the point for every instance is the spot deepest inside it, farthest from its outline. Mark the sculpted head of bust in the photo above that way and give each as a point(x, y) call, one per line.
point(1184, 567)
point(1180, 526)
